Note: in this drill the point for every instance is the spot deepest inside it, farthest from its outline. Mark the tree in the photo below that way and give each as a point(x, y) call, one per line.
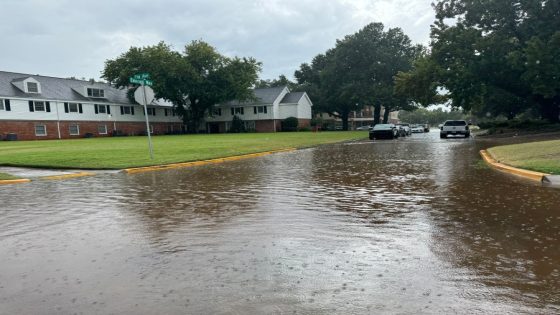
point(281, 81)
point(492, 56)
point(358, 71)
point(193, 81)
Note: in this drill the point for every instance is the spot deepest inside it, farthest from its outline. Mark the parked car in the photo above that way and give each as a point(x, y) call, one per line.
point(406, 128)
point(384, 131)
point(364, 128)
point(401, 131)
point(455, 128)
point(417, 129)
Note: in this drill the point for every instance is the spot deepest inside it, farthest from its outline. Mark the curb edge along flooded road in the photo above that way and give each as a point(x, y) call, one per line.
point(415, 225)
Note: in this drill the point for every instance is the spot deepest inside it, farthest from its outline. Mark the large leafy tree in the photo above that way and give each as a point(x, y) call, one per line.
point(194, 80)
point(491, 56)
point(360, 71)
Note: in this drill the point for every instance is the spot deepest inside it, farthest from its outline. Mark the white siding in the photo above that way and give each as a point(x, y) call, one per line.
point(20, 111)
point(288, 110)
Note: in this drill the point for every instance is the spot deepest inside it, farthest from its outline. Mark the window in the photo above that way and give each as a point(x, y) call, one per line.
point(102, 129)
point(102, 109)
point(237, 111)
point(127, 110)
point(217, 112)
point(40, 130)
point(32, 87)
point(73, 108)
point(5, 105)
point(91, 92)
point(259, 110)
point(74, 130)
point(39, 106)
point(151, 111)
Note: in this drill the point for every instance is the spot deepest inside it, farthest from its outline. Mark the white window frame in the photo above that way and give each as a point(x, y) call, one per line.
point(76, 107)
point(238, 111)
point(99, 129)
point(127, 108)
point(2, 106)
point(44, 127)
point(99, 109)
point(36, 87)
point(92, 91)
point(39, 102)
point(77, 128)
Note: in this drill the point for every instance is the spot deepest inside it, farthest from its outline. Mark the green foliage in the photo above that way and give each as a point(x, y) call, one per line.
point(359, 71)
point(237, 125)
point(432, 117)
point(495, 57)
point(281, 81)
point(193, 80)
point(290, 124)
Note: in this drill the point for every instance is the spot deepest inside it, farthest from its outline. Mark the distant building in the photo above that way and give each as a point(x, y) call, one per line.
point(34, 107)
point(357, 119)
point(265, 114)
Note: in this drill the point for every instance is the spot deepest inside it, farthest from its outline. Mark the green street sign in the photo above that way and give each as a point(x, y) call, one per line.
point(135, 81)
point(148, 82)
point(142, 76)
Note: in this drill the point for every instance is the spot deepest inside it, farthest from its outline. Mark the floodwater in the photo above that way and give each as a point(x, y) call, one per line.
point(410, 226)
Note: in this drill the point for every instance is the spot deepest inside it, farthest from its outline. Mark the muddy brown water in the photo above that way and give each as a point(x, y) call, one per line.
point(411, 226)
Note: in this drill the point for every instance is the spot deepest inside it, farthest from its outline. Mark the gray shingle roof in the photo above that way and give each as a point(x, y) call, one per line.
point(59, 89)
point(292, 98)
point(264, 96)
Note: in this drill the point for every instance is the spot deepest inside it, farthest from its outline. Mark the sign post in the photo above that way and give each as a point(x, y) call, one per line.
point(144, 96)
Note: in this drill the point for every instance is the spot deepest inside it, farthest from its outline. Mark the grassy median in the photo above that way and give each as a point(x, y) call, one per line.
point(4, 176)
point(543, 156)
point(125, 152)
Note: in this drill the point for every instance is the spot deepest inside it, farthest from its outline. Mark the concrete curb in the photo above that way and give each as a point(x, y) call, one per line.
point(14, 181)
point(536, 176)
point(145, 169)
point(67, 176)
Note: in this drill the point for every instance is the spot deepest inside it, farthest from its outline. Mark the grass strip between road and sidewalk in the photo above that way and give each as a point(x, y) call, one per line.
point(127, 152)
point(4, 176)
point(543, 156)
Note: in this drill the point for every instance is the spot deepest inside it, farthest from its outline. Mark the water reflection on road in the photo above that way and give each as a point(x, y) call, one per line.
point(416, 225)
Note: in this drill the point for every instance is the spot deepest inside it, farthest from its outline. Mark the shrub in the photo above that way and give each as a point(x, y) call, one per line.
point(290, 124)
point(237, 125)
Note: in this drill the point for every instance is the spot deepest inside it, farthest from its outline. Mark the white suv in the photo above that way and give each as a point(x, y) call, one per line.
point(455, 127)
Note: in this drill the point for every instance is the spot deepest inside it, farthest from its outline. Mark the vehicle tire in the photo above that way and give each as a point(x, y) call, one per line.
point(467, 135)
point(371, 137)
point(442, 136)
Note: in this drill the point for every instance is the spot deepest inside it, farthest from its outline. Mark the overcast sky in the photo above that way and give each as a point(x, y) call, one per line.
point(73, 37)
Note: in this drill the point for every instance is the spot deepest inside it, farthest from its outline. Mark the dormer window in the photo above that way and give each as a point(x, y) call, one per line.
point(32, 87)
point(91, 92)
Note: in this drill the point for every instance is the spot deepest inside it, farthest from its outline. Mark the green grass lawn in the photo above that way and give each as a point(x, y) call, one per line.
point(124, 152)
point(541, 156)
point(4, 176)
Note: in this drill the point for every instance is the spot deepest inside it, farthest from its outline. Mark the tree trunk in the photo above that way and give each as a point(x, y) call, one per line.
point(344, 116)
point(550, 109)
point(376, 113)
point(386, 115)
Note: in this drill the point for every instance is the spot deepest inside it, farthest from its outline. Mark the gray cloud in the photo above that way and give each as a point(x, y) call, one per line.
point(74, 38)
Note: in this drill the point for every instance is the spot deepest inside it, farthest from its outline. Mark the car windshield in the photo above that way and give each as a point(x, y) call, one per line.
point(455, 123)
point(383, 126)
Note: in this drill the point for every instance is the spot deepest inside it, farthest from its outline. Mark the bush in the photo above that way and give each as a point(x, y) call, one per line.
point(305, 129)
point(290, 124)
point(237, 125)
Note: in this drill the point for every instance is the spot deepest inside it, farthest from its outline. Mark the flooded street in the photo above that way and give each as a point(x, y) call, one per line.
point(412, 226)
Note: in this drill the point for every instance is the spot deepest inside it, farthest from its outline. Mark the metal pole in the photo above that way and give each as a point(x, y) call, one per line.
point(147, 123)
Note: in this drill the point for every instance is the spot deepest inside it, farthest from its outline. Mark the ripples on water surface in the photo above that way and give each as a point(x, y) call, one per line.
point(412, 226)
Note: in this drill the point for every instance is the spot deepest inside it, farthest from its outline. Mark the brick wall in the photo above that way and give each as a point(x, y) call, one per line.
point(25, 130)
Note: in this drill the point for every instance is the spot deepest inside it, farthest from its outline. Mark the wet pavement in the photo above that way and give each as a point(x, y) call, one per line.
point(410, 226)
